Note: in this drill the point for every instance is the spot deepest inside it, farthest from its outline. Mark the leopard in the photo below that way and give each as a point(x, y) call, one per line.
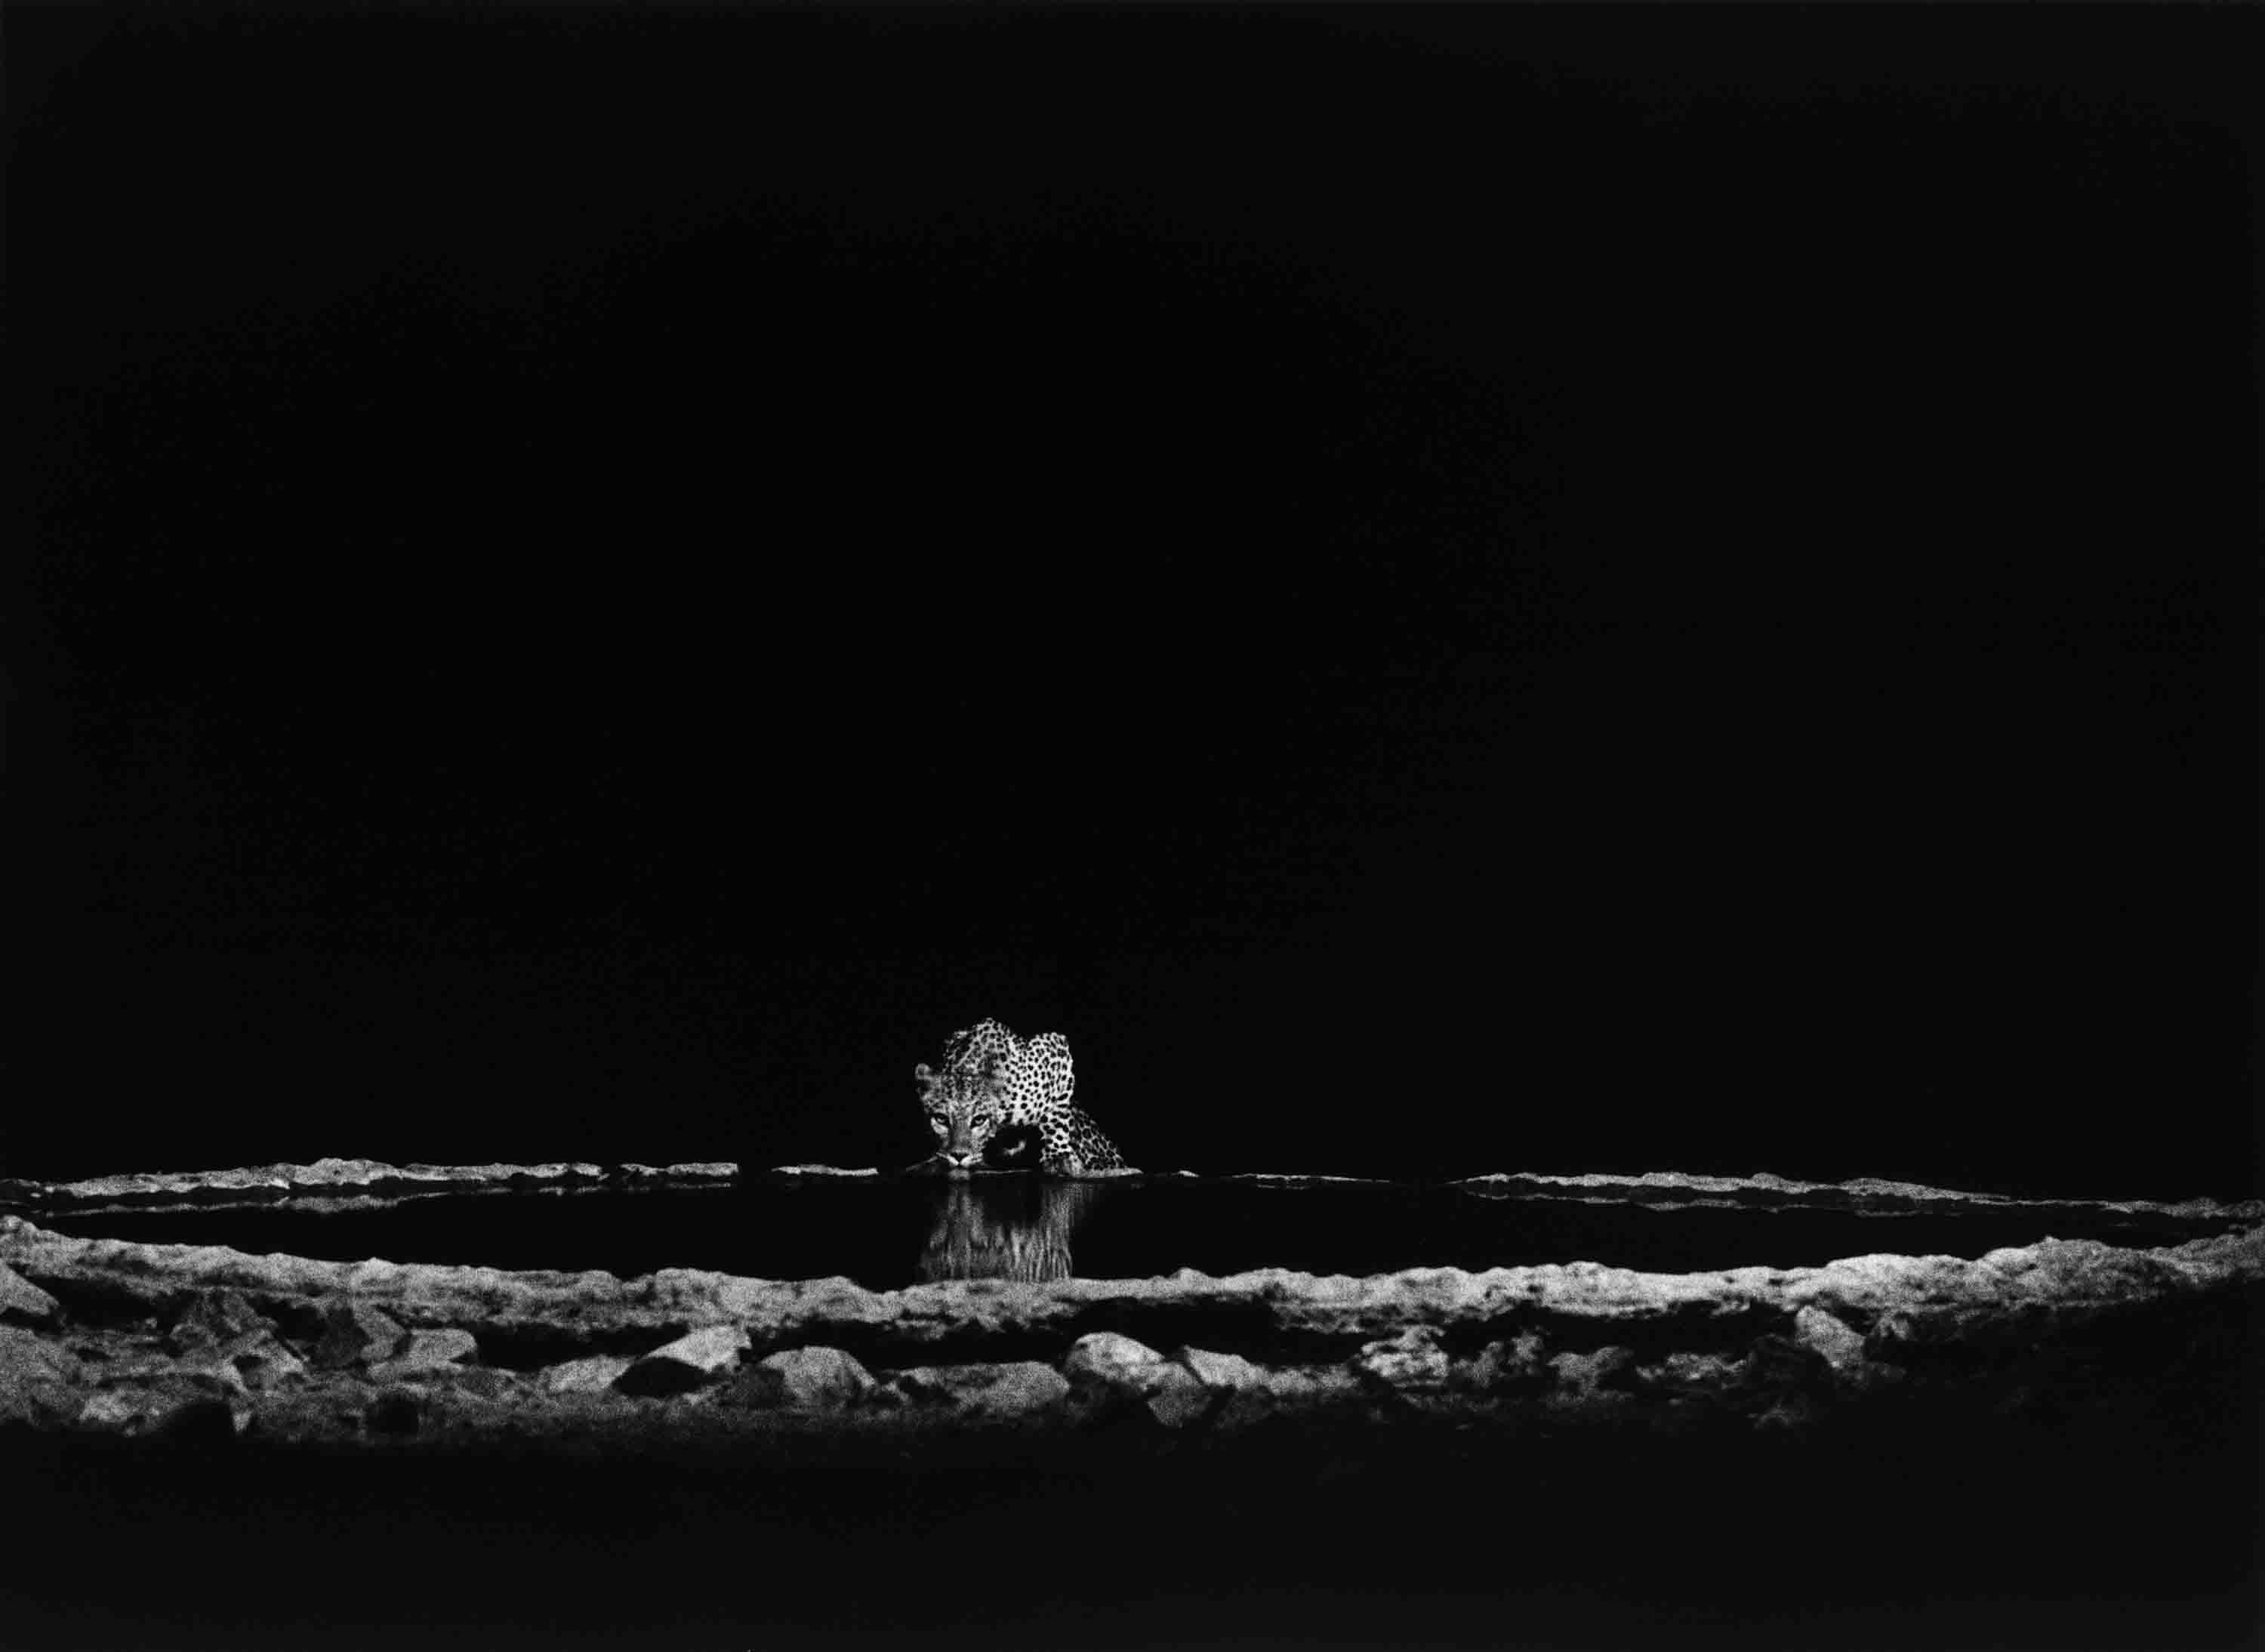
point(990, 1078)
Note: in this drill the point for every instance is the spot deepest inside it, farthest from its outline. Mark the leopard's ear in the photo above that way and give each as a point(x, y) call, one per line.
point(925, 1076)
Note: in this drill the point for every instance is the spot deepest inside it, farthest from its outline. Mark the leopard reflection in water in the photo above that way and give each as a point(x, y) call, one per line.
point(1005, 1228)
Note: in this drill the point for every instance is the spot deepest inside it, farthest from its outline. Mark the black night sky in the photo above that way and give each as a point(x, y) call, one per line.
point(1443, 590)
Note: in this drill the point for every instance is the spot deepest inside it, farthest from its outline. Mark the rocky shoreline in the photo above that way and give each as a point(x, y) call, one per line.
point(2046, 1447)
point(161, 1342)
point(345, 1178)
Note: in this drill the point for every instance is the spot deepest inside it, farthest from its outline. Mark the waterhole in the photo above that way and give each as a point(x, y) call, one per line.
point(888, 1232)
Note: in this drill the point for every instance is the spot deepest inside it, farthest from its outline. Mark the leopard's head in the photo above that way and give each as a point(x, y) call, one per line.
point(965, 1109)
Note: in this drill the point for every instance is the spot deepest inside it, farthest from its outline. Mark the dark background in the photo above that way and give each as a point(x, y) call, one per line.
point(1441, 591)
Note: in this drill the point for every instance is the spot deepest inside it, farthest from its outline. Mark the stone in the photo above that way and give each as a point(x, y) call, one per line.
point(1007, 1392)
point(217, 1316)
point(692, 1361)
point(260, 1361)
point(425, 1352)
point(1221, 1370)
point(24, 1303)
point(112, 1411)
point(1318, 1387)
point(356, 1333)
point(816, 1378)
point(1177, 1398)
point(595, 1374)
point(1586, 1376)
point(1411, 1363)
point(1111, 1376)
point(39, 1382)
point(1104, 1359)
point(1503, 1366)
point(1892, 1336)
point(1240, 1392)
point(1840, 1347)
point(1687, 1375)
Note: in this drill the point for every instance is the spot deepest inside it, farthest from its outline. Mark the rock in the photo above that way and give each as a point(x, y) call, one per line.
point(1109, 1361)
point(259, 1360)
point(1503, 1366)
point(217, 1316)
point(24, 1303)
point(1179, 1398)
point(804, 1379)
point(1111, 1376)
point(1221, 1370)
point(1241, 1394)
point(1008, 1392)
point(1840, 1348)
point(1586, 1377)
point(218, 1377)
point(1411, 1363)
point(355, 1332)
point(1689, 1376)
point(425, 1352)
point(112, 1411)
point(39, 1382)
point(595, 1374)
point(692, 1361)
point(1892, 1336)
point(1320, 1387)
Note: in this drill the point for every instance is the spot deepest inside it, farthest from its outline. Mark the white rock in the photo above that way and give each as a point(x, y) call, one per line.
point(215, 1317)
point(694, 1359)
point(1108, 1372)
point(806, 1378)
point(1411, 1363)
point(427, 1352)
point(356, 1333)
point(1222, 1371)
point(1584, 1374)
point(1842, 1348)
point(593, 1375)
point(1002, 1391)
point(1105, 1359)
point(23, 1301)
point(1178, 1397)
point(39, 1381)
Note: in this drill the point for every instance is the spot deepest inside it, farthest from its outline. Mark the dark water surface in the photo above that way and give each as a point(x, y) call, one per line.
point(875, 1232)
